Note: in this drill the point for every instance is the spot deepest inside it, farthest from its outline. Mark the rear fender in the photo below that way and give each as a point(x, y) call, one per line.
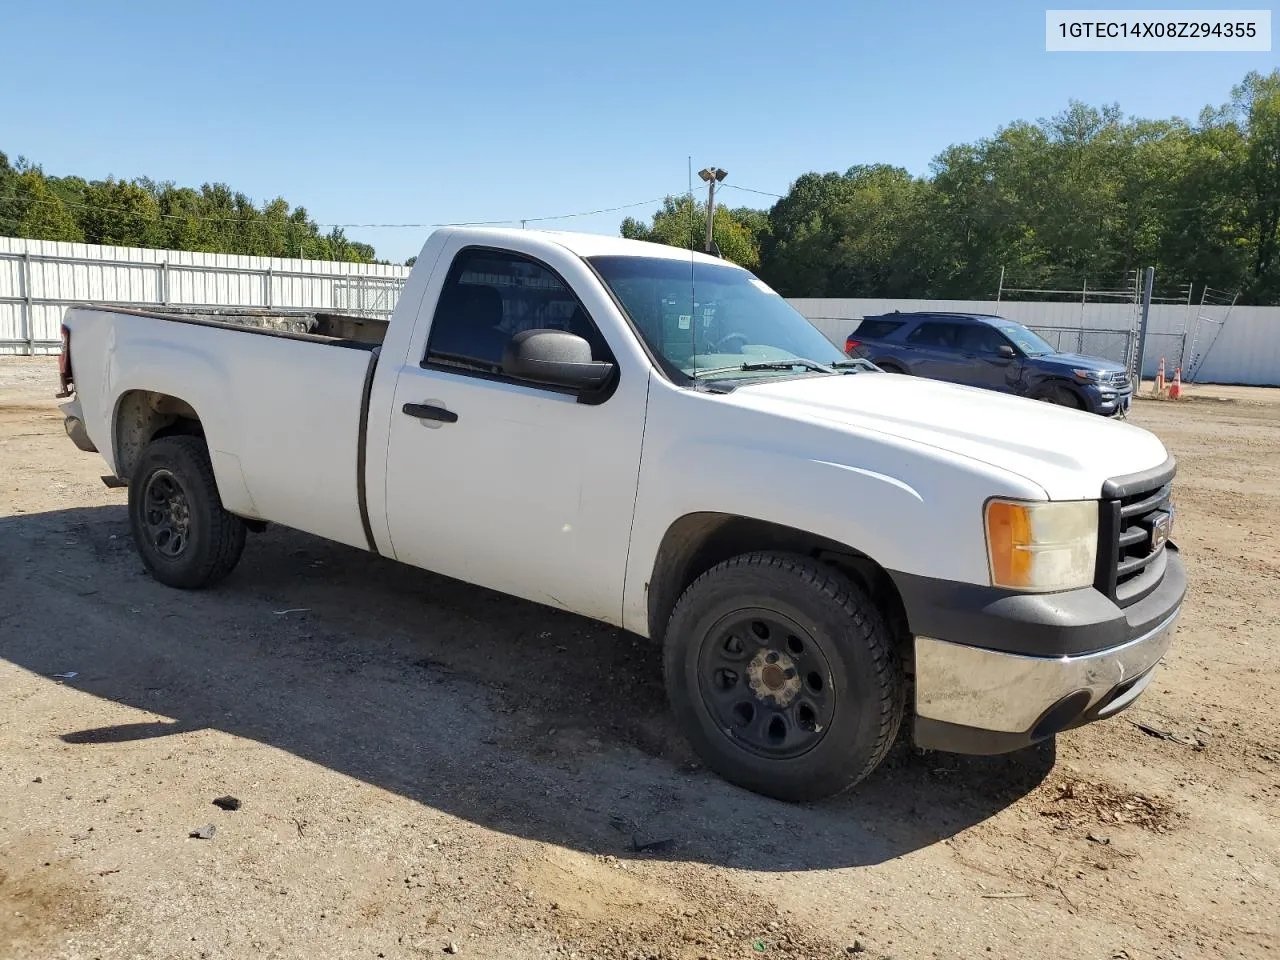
point(162, 384)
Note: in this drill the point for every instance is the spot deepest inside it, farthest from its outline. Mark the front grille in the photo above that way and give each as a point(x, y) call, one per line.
point(1118, 379)
point(1130, 563)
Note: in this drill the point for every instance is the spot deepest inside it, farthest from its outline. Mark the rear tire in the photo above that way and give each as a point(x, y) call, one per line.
point(783, 676)
point(889, 367)
point(184, 536)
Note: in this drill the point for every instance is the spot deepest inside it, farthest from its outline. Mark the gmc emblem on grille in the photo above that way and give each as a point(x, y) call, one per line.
point(1159, 530)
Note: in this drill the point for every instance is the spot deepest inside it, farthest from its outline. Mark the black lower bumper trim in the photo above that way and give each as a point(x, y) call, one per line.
point(1035, 624)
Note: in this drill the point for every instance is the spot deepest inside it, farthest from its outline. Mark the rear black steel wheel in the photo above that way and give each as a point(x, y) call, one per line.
point(783, 675)
point(183, 534)
point(166, 515)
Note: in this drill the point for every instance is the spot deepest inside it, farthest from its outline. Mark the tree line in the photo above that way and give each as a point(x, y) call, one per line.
point(142, 213)
point(1086, 195)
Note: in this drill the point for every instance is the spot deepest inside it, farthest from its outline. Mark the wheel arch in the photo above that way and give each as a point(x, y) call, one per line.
point(1054, 381)
point(145, 415)
point(696, 542)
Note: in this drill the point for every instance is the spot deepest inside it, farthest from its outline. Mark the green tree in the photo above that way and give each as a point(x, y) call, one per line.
point(682, 222)
point(1256, 107)
point(851, 234)
point(34, 209)
point(120, 213)
point(140, 212)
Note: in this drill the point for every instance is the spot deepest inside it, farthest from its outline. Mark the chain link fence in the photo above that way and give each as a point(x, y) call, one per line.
point(1109, 344)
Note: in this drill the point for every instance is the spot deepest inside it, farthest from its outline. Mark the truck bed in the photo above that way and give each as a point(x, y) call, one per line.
point(333, 328)
point(282, 411)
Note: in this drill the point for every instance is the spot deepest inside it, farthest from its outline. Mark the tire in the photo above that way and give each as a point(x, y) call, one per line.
point(832, 641)
point(184, 536)
point(1061, 396)
point(891, 367)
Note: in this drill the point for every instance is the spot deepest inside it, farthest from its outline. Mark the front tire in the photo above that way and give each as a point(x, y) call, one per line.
point(783, 675)
point(184, 536)
point(1060, 396)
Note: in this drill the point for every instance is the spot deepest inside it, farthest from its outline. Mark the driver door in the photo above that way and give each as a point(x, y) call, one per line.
point(986, 367)
point(511, 484)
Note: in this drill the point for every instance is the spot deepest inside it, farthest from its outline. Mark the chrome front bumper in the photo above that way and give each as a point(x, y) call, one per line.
point(975, 700)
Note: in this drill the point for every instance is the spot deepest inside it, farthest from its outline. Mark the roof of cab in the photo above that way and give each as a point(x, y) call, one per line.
point(589, 244)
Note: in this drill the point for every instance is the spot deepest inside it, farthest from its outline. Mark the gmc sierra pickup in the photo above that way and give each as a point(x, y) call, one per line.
point(655, 439)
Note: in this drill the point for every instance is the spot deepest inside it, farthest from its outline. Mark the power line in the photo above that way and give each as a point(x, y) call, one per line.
point(763, 193)
point(355, 226)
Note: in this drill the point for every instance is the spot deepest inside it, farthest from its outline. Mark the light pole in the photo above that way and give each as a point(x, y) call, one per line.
point(712, 175)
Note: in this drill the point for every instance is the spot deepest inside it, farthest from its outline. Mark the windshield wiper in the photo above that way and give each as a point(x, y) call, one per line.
point(854, 365)
point(788, 365)
point(767, 365)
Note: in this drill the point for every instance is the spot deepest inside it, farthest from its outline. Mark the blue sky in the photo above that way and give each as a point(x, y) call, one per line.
point(426, 113)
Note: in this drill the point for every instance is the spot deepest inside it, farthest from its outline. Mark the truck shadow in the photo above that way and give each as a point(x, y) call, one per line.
point(513, 716)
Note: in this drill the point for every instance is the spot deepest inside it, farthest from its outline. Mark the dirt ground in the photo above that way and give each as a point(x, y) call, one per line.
point(428, 768)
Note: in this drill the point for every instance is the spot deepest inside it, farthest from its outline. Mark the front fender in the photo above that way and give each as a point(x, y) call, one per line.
point(907, 506)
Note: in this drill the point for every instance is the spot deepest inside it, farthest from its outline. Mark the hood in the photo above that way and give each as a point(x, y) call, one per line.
point(1078, 361)
point(1069, 453)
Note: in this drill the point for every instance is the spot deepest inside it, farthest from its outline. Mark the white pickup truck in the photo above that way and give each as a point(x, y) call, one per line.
point(655, 439)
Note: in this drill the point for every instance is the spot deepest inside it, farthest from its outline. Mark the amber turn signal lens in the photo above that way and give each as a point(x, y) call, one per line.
point(1042, 546)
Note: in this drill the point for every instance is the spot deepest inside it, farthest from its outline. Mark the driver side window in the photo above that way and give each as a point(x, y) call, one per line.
point(979, 338)
point(491, 295)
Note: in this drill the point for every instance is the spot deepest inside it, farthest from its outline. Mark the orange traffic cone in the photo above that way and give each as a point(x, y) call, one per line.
point(1175, 389)
point(1160, 378)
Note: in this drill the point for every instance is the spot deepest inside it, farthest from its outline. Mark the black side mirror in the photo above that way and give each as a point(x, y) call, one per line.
point(555, 357)
point(1005, 352)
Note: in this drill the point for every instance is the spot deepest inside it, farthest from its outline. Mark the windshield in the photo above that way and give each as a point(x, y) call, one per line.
point(1029, 343)
point(735, 320)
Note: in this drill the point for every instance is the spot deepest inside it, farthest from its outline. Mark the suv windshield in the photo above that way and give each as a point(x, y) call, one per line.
point(735, 320)
point(1029, 343)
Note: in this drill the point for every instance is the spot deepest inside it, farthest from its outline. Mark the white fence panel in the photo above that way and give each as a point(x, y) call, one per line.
point(39, 279)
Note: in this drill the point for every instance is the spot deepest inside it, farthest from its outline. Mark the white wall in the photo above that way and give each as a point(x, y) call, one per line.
point(1243, 349)
point(40, 278)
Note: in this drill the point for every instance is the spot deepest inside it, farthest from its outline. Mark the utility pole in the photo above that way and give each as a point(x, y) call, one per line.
point(712, 175)
point(1141, 348)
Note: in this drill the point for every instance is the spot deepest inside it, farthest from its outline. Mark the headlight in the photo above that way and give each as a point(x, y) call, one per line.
point(1038, 547)
point(1093, 376)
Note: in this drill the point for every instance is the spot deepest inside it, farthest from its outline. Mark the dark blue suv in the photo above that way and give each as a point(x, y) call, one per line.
point(981, 350)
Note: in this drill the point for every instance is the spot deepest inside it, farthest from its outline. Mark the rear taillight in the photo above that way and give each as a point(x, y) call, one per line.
point(850, 345)
point(64, 364)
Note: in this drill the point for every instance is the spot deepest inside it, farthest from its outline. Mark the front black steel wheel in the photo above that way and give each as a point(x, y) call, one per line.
point(767, 682)
point(183, 534)
point(783, 675)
